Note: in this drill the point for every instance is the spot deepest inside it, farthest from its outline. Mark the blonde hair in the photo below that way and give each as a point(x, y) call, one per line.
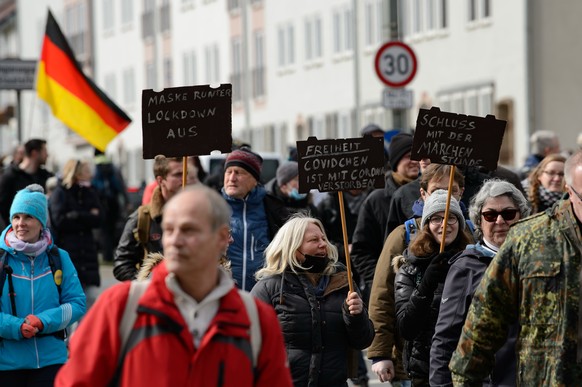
point(71, 171)
point(280, 254)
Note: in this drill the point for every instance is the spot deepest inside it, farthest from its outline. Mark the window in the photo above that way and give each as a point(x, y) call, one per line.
point(474, 100)
point(76, 28)
point(108, 15)
point(190, 68)
point(478, 11)
point(342, 30)
point(126, 12)
point(286, 46)
point(129, 86)
point(110, 86)
point(212, 65)
point(233, 5)
point(313, 44)
point(237, 84)
point(168, 73)
point(422, 18)
point(150, 73)
point(259, 69)
point(373, 16)
point(147, 19)
point(165, 16)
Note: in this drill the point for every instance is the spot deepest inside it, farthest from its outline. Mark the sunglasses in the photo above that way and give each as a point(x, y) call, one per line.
point(491, 216)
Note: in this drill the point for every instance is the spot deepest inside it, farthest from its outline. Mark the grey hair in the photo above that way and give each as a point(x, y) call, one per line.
point(571, 163)
point(541, 140)
point(280, 254)
point(493, 188)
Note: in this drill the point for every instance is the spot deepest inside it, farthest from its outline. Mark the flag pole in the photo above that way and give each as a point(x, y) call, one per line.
point(446, 218)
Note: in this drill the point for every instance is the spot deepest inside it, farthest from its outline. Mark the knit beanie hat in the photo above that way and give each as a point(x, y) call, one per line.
point(31, 201)
point(287, 172)
point(370, 128)
point(437, 202)
point(400, 145)
point(247, 160)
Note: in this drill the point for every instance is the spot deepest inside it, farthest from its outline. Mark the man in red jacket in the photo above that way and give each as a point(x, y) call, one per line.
point(192, 327)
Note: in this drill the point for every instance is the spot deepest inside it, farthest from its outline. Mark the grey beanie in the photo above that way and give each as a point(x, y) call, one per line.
point(287, 172)
point(437, 202)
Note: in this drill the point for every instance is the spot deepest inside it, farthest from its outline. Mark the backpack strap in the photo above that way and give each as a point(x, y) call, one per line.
point(142, 231)
point(136, 290)
point(255, 330)
point(56, 267)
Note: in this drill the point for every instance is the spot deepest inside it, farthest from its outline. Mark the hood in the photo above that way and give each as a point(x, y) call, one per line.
point(6, 247)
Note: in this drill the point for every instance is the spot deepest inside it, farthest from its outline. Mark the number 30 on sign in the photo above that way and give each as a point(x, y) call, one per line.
point(395, 64)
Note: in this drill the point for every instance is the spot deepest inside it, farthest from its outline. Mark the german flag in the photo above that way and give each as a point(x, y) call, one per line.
point(73, 97)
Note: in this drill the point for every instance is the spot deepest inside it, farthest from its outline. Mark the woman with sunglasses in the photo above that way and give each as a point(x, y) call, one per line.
point(75, 212)
point(420, 276)
point(545, 184)
point(496, 206)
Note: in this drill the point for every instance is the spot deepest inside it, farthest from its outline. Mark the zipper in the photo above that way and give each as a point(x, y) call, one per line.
point(32, 302)
point(244, 262)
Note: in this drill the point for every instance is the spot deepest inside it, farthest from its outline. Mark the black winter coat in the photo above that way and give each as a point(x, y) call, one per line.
point(464, 276)
point(12, 180)
point(318, 331)
point(416, 315)
point(72, 224)
point(368, 238)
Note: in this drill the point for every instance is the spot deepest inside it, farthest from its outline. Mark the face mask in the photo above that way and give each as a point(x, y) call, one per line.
point(295, 195)
point(313, 264)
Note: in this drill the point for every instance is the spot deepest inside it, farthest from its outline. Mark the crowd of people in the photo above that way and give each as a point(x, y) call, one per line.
point(245, 282)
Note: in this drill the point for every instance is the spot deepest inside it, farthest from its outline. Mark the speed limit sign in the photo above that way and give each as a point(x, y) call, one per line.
point(395, 64)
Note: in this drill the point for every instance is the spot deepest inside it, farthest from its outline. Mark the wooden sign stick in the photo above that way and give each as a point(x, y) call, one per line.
point(446, 218)
point(340, 195)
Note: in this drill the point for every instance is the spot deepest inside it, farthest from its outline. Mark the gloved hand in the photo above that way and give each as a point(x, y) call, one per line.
point(34, 321)
point(28, 330)
point(435, 273)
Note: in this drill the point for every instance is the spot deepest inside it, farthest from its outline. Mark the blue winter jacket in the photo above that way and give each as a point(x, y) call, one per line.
point(37, 294)
point(250, 232)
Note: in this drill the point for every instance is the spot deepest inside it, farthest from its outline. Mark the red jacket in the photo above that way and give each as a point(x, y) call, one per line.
point(166, 356)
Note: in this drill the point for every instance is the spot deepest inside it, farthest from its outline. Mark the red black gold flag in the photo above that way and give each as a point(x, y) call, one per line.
point(73, 97)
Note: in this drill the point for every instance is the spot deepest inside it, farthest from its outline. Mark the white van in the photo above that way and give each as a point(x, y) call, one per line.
point(213, 164)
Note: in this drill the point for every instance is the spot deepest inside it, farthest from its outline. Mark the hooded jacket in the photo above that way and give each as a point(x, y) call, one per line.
point(164, 353)
point(255, 220)
point(37, 294)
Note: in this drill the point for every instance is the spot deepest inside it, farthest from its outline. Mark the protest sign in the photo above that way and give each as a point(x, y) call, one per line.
point(340, 165)
point(457, 139)
point(187, 121)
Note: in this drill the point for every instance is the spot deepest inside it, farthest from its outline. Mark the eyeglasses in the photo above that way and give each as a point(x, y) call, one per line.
point(576, 192)
point(437, 220)
point(491, 216)
point(553, 174)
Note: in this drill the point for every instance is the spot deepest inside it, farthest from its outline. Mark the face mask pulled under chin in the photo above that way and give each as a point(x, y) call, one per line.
point(313, 264)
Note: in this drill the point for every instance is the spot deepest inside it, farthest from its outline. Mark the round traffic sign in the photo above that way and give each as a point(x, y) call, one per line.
point(395, 64)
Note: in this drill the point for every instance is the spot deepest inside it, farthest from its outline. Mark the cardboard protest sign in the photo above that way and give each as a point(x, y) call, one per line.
point(340, 165)
point(457, 139)
point(186, 121)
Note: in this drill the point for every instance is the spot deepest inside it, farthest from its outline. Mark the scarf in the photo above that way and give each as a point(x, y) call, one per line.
point(547, 198)
point(31, 249)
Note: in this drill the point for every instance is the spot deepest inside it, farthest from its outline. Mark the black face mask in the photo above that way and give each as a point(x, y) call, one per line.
point(313, 264)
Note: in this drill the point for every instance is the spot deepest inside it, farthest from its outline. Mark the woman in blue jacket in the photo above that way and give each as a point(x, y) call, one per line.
point(37, 302)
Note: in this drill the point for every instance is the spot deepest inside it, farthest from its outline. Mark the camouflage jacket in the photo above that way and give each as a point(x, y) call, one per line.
point(534, 281)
